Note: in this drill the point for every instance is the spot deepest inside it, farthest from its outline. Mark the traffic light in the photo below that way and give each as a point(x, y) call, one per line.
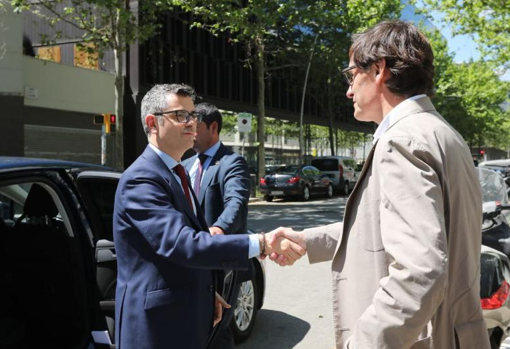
point(98, 119)
point(108, 120)
point(482, 152)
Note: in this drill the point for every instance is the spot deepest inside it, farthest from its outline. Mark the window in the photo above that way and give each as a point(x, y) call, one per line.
point(49, 53)
point(86, 56)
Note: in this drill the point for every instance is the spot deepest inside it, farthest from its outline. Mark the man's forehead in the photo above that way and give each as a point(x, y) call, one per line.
point(176, 101)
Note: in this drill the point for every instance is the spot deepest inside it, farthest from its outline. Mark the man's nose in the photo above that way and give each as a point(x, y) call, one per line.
point(349, 93)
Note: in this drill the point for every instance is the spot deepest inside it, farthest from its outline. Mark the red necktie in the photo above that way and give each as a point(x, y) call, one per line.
point(198, 175)
point(184, 182)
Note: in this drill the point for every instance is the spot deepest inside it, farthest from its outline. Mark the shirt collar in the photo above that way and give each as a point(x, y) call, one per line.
point(212, 150)
point(389, 118)
point(167, 159)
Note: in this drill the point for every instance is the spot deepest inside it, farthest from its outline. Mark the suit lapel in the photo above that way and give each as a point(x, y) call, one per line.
point(151, 156)
point(211, 172)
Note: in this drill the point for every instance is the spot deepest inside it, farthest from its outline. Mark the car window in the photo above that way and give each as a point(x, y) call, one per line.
point(287, 170)
point(326, 164)
point(99, 197)
point(350, 163)
point(308, 171)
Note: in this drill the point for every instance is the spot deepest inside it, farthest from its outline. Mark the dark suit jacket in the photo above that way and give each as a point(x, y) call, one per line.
point(166, 257)
point(225, 191)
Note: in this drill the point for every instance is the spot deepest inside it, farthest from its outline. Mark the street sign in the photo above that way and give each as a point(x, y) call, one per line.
point(244, 122)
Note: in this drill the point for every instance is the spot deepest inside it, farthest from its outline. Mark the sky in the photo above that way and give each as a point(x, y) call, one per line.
point(462, 47)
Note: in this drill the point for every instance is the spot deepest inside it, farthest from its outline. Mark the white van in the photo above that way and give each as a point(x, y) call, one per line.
point(340, 169)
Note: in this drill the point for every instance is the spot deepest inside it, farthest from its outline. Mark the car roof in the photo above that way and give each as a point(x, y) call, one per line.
point(16, 163)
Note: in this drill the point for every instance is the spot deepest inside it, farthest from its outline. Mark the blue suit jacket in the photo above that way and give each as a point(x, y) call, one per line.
point(225, 191)
point(166, 260)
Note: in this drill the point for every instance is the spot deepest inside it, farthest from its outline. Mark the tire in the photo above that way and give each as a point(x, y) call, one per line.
point(495, 339)
point(268, 198)
point(245, 311)
point(329, 191)
point(305, 194)
point(345, 189)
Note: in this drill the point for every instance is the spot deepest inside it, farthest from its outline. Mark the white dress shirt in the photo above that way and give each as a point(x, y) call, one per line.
point(388, 119)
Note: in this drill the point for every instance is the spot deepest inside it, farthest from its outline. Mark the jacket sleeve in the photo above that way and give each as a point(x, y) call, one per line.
point(147, 207)
point(236, 195)
point(412, 221)
point(321, 242)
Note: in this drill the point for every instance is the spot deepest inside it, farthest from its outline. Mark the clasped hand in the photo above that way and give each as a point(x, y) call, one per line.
point(285, 246)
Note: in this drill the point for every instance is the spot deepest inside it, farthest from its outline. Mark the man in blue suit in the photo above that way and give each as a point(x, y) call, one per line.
point(221, 181)
point(166, 256)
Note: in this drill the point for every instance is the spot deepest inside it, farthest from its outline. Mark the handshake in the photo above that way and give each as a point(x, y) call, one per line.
point(283, 245)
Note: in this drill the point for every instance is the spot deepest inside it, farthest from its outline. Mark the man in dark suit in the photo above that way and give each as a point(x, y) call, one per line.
point(221, 181)
point(166, 256)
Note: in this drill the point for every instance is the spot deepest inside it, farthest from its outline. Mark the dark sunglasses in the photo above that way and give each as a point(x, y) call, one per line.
point(349, 74)
point(183, 116)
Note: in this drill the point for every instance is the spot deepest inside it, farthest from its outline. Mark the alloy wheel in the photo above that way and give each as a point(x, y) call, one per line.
point(243, 313)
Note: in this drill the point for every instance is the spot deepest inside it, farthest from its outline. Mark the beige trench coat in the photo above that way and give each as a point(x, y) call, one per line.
point(405, 260)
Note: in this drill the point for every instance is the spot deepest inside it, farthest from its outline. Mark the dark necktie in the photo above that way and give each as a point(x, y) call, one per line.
point(184, 182)
point(198, 176)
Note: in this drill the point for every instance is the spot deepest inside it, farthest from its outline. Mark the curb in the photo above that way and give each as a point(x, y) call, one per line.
point(252, 199)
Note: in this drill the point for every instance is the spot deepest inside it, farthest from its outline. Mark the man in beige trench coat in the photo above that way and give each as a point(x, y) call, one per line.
point(405, 259)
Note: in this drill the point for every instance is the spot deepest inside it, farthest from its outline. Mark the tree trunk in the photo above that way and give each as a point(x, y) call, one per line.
point(330, 114)
point(119, 91)
point(260, 66)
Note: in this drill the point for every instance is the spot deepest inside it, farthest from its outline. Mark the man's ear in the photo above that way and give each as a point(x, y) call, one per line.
point(150, 121)
point(380, 70)
point(214, 127)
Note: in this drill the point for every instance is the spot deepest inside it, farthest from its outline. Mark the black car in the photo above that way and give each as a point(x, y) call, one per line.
point(58, 266)
point(297, 181)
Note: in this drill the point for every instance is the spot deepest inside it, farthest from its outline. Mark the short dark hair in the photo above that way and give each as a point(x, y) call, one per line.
point(407, 52)
point(155, 100)
point(210, 114)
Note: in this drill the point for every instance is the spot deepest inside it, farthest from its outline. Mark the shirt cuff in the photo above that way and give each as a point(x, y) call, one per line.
point(254, 249)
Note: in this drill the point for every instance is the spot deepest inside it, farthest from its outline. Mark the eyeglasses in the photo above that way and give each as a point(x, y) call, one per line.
point(183, 116)
point(348, 74)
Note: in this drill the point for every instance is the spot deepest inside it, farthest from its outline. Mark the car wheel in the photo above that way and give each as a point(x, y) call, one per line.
point(345, 189)
point(329, 192)
point(305, 194)
point(268, 198)
point(495, 339)
point(245, 311)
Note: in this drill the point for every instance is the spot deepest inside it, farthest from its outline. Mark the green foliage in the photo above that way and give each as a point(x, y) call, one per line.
point(487, 21)
point(469, 96)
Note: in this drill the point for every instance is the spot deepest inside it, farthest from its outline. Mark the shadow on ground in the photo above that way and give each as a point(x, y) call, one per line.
point(275, 329)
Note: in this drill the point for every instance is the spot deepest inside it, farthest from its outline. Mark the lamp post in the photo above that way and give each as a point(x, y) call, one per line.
point(303, 102)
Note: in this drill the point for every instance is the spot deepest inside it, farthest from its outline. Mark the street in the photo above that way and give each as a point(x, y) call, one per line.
point(297, 309)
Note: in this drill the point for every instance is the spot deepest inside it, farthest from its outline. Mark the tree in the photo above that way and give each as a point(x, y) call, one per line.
point(487, 21)
point(106, 24)
point(334, 23)
point(469, 96)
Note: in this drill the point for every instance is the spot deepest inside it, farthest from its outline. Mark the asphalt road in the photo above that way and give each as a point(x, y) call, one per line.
point(297, 310)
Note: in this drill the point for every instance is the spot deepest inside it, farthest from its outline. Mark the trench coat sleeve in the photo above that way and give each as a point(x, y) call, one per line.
point(321, 242)
point(412, 227)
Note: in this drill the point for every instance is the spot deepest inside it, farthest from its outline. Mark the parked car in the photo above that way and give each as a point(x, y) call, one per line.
point(297, 181)
point(494, 290)
point(58, 266)
point(494, 262)
point(340, 169)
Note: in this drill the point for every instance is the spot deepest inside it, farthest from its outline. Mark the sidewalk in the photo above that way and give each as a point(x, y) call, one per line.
point(254, 199)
